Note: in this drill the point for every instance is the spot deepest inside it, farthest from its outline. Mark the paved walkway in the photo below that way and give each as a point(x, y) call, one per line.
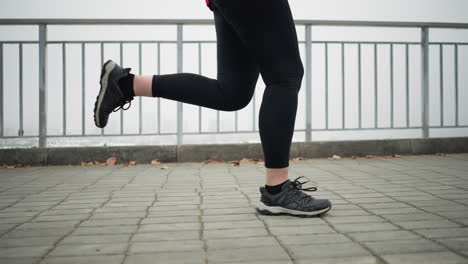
point(412, 209)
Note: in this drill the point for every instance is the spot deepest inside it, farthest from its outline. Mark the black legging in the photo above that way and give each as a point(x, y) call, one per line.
point(253, 36)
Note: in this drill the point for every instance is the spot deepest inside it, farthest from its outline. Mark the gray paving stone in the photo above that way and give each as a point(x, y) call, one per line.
point(248, 254)
point(96, 239)
point(363, 227)
point(444, 232)
point(403, 246)
point(232, 233)
point(104, 230)
point(459, 243)
point(259, 241)
point(47, 225)
point(346, 212)
point(425, 257)
point(236, 224)
point(174, 208)
point(170, 219)
point(174, 213)
point(426, 224)
point(237, 210)
point(317, 251)
point(412, 217)
point(301, 230)
point(383, 235)
point(67, 211)
point(113, 259)
point(399, 210)
point(21, 252)
point(40, 232)
point(89, 249)
point(355, 219)
point(166, 246)
point(170, 235)
point(188, 257)
point(228, 217)
point(97, 216)
point(28, 241)
point(120, 209)
point(169, 227)
point(110, 222)
point(293, 221)
point(313, 239)
point(19, 260)
point(342, 260)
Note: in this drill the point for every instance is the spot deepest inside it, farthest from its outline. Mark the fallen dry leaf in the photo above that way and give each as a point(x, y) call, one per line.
point(297, 159)
point(395, 156)
point(111, 161)
point(235, 162)
point(260, 162)
point(83, 163)
point(132, 163)
point(335, 157)
point(11, 167)
point(213, 161)
point(124, 164)
point(371, 156)
point(441, 154)
point(244, 160)
point(100, 163)
point(165, 167)
point(89, 163)
point(354, 157)
point(155, 161)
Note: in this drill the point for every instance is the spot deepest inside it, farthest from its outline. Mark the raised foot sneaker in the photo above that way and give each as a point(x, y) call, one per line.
point(292, 201)
point(110, 97)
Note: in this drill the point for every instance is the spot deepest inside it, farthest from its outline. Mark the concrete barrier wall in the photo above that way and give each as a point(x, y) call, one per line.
point(198, 153)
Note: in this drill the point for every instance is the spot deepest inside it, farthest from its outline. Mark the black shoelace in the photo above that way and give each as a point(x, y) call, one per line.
point(298, 188)
point(125, 101)
point(121, 106)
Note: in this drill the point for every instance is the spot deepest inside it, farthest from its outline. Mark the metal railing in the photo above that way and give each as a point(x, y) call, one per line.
point(424, 46)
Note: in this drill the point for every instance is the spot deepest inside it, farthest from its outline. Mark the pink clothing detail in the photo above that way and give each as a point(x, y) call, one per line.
point(208, 4)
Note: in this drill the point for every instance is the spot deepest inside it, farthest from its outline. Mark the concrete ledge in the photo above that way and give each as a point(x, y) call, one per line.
point(198, 153)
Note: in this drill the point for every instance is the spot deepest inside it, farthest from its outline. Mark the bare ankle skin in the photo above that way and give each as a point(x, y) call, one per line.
point(142, 85)
point(276, 176)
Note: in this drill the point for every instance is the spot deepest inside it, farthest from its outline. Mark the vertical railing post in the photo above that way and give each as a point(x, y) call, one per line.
point(1, 89)
point(308, 75)
point(179, 70)
point(425, 81)
point(42, 86)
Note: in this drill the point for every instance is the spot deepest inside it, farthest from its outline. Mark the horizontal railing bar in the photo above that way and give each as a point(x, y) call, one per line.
point(131, 21)
point(235, 132)
point(112, 41)
point(18, 42)
point(214, 41)
point(449, 43)
point(365, 42)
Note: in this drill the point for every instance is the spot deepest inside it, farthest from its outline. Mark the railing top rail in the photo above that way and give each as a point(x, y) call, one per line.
point(131, 21)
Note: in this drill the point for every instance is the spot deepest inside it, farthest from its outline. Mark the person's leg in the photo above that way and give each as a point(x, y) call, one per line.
point(267, 29)
point(236, 77)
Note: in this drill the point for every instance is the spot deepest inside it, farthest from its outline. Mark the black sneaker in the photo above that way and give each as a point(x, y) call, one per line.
point(292, 201)
point(110, 97)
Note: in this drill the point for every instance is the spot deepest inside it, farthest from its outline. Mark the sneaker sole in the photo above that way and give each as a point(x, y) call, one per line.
point(106, 70)
point(277, 210)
